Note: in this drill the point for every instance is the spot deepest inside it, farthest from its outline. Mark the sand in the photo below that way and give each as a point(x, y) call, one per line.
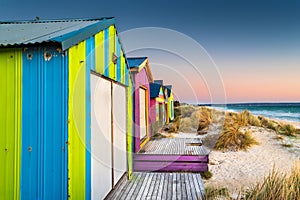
point(237, 170)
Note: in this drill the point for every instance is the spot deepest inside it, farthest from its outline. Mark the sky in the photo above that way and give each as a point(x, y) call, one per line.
point(214, 51)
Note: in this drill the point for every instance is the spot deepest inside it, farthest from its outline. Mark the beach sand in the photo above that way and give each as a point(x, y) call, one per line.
point(236, 170)
point(242, 169)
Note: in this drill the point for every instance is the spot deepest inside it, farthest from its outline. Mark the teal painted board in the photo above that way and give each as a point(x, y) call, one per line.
point(44, 121)
point(90, 64)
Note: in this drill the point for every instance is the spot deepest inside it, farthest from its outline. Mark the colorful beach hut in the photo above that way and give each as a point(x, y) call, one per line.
point(157, 105)
point(66, 113)
point(170, 104)
point(142, 77)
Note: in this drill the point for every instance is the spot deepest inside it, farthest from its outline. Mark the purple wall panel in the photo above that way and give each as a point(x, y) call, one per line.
point(140, 79)
point(170, 163)
point(152, 113)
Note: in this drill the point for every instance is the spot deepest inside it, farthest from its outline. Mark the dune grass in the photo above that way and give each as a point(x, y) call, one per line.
point(204, 120)
point(234, 138)
point(206, 175)
point(212, 192)
point(277, 186)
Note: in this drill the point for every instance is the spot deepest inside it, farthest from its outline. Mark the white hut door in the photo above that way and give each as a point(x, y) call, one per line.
point(143, 111)
point(101, 161)
point(119, 132)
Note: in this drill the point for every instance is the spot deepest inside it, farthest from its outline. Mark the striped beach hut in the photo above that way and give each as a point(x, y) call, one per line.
point(66, 109)
point(170, 104)
point(142, 77)
point(157, 105)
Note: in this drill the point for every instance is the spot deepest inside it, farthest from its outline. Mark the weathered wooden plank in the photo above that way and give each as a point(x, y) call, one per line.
point(201, 185)
point(128, 187)
point(160, 186)
point(139, 184)
point(144, 166)
point(134, 182)
point(179, 146)
point(193, 187)
point(174, 188)
point(179, 158)
point(170, 187)
point(183, 186)
point(147, 186)
point(144, 185)
point(151, 188)
point(165, 188)
point(157, 186)
point(119, 188)
point(178, 186)
point(188, 187)
point(197, 187)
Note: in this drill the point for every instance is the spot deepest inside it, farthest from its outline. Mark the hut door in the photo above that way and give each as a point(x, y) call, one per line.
point(119, 132)
point(161, 113)
point(108, 135)
point(143, 113)
point(101, 152)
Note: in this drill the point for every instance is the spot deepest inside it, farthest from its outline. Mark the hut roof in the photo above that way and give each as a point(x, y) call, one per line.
point(68, 32)
point(136, 64)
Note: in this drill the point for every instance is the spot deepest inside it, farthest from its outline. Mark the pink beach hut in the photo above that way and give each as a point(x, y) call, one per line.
point(142, 77)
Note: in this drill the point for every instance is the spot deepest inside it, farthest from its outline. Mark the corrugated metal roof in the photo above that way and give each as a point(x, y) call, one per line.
point(67, 32)
point(135, 61)
point(169, 88)
point(159, 82)
point(154, 90)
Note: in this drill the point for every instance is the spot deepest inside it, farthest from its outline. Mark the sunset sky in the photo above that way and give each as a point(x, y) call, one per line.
point(219, 51)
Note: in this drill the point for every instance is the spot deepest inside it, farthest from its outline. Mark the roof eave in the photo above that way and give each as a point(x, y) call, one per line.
point(83, 34)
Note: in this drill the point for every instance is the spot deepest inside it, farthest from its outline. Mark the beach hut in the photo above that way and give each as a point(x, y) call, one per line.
point(170, 105)
point(142, 77)
point(66, 109)
point(157, 104)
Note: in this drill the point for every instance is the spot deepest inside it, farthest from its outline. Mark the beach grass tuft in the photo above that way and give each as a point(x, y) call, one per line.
point(212, 192)
point(206, 175)
point(284, 186)
point(287, 129)
point(234, 138)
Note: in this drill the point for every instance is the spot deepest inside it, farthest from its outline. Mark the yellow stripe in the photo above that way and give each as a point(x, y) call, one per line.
point(99, 52)
point(112, 66)
point(77, 121)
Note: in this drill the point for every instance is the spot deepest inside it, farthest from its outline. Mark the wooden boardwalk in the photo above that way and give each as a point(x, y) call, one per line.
point(172, 155)
point(175, 146)
point(159, 186)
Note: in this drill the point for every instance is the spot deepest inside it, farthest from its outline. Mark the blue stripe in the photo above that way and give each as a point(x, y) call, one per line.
point(126, 74)
point(66, 96)
point(106, 56)
point(90, 53)
point(90, 60)
point(43, 125)
point(119, 60)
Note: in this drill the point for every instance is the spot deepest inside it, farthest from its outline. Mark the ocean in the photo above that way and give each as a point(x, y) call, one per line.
point(281, 111)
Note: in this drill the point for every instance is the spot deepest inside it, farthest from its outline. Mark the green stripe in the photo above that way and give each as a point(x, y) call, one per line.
point(10, 122)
